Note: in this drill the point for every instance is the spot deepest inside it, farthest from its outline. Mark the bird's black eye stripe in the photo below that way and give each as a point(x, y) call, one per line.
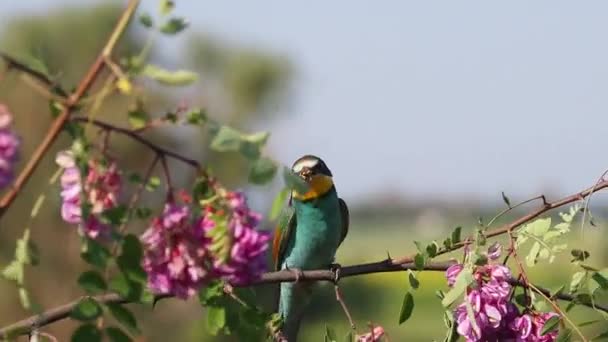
point(322, 169)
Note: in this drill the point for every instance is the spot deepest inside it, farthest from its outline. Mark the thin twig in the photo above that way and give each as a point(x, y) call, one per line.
point(135, 136)
point(588, 200)
point(547, 206)
point(559, 311)
point(500, 214)
point(13, 63)
point(344, 307)
point(167, 173)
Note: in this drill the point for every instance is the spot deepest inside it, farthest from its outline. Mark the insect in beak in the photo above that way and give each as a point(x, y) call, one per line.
point(306, 173)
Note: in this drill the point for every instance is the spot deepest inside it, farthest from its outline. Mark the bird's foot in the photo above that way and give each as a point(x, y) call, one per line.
point(335, 269)
point(297, 273)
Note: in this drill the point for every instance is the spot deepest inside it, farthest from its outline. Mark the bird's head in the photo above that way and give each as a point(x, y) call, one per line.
point(316, 174)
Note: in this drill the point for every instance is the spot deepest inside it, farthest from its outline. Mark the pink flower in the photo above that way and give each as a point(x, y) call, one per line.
point(492, 316)
point(246, 260)
point(184, 253)
point(372, 336)
point(9, 147)
point(452, 272)
point(494, 251)
point(101, 186)
point(176, 258)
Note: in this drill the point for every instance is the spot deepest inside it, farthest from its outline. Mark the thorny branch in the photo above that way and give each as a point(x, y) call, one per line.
point(520, 221)
point(24, 326)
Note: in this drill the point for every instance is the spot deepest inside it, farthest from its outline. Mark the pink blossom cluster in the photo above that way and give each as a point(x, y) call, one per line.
point(180, 255)
point(494, 317)
point(246, 260)
point(373, 336)
point(176, 258)
point(102, 186)
point(9, 147)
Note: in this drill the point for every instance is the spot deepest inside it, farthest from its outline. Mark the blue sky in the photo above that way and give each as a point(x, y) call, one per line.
point(431, 98)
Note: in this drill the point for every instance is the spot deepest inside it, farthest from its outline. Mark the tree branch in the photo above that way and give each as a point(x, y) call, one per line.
point(24, 326)
point(520, 221)
point(13, 63)
point(137, 137)
point(70, 105)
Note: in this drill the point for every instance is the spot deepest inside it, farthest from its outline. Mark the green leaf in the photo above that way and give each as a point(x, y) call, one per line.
point(146, 20)
point(92, 282)
point(576, 281)
point(24, 298)
point(330, 334)
point(23, 252)
point(463, 280)
point(143, 213)
point(14, 272)
point(226, 139)
point(135, 178)
point(550, 325)
point(174, 26)
point(406, 308)
point(216, 319)
point(431, 249)
point(86, 333)
point(294, 182)
point(539, 227)
point(167, 77)
point(506, 199)
point(600, 280)
point(129, 260)
point(419, 247)
point(533, 254)
point(419, 261)
point(138, 118)
point(278, 204)
point(259, 138)
point(212, 294)
point(87, 309)
point(414, 283)
point(123, 316)
point(579, 255)
point(94, 253)
point(564, 336)
point(522, 299)
point(262, 171)
point(55, 107)
point(37, 206)
point(600, 337)
point(117, 335)
point(456, 235)
point(166, 6)
point(126, 288)
point(196, 116)
point(153, 183)
point(115, 216)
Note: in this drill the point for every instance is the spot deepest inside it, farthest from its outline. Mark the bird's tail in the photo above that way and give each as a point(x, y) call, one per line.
point(293, 300)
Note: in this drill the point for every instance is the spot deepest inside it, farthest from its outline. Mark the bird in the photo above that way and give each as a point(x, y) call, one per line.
point(309, 231)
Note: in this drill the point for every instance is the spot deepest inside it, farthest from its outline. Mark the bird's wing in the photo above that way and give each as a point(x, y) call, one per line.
point(345, 219)
point(285, 228)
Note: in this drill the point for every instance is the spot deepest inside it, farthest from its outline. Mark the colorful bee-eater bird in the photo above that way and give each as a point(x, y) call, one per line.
point(309, 232)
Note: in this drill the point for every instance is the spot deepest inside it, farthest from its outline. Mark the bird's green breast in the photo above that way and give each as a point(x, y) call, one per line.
point(317, 234)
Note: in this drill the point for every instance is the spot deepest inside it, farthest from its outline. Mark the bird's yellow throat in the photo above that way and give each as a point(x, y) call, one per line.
point(319, 186)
